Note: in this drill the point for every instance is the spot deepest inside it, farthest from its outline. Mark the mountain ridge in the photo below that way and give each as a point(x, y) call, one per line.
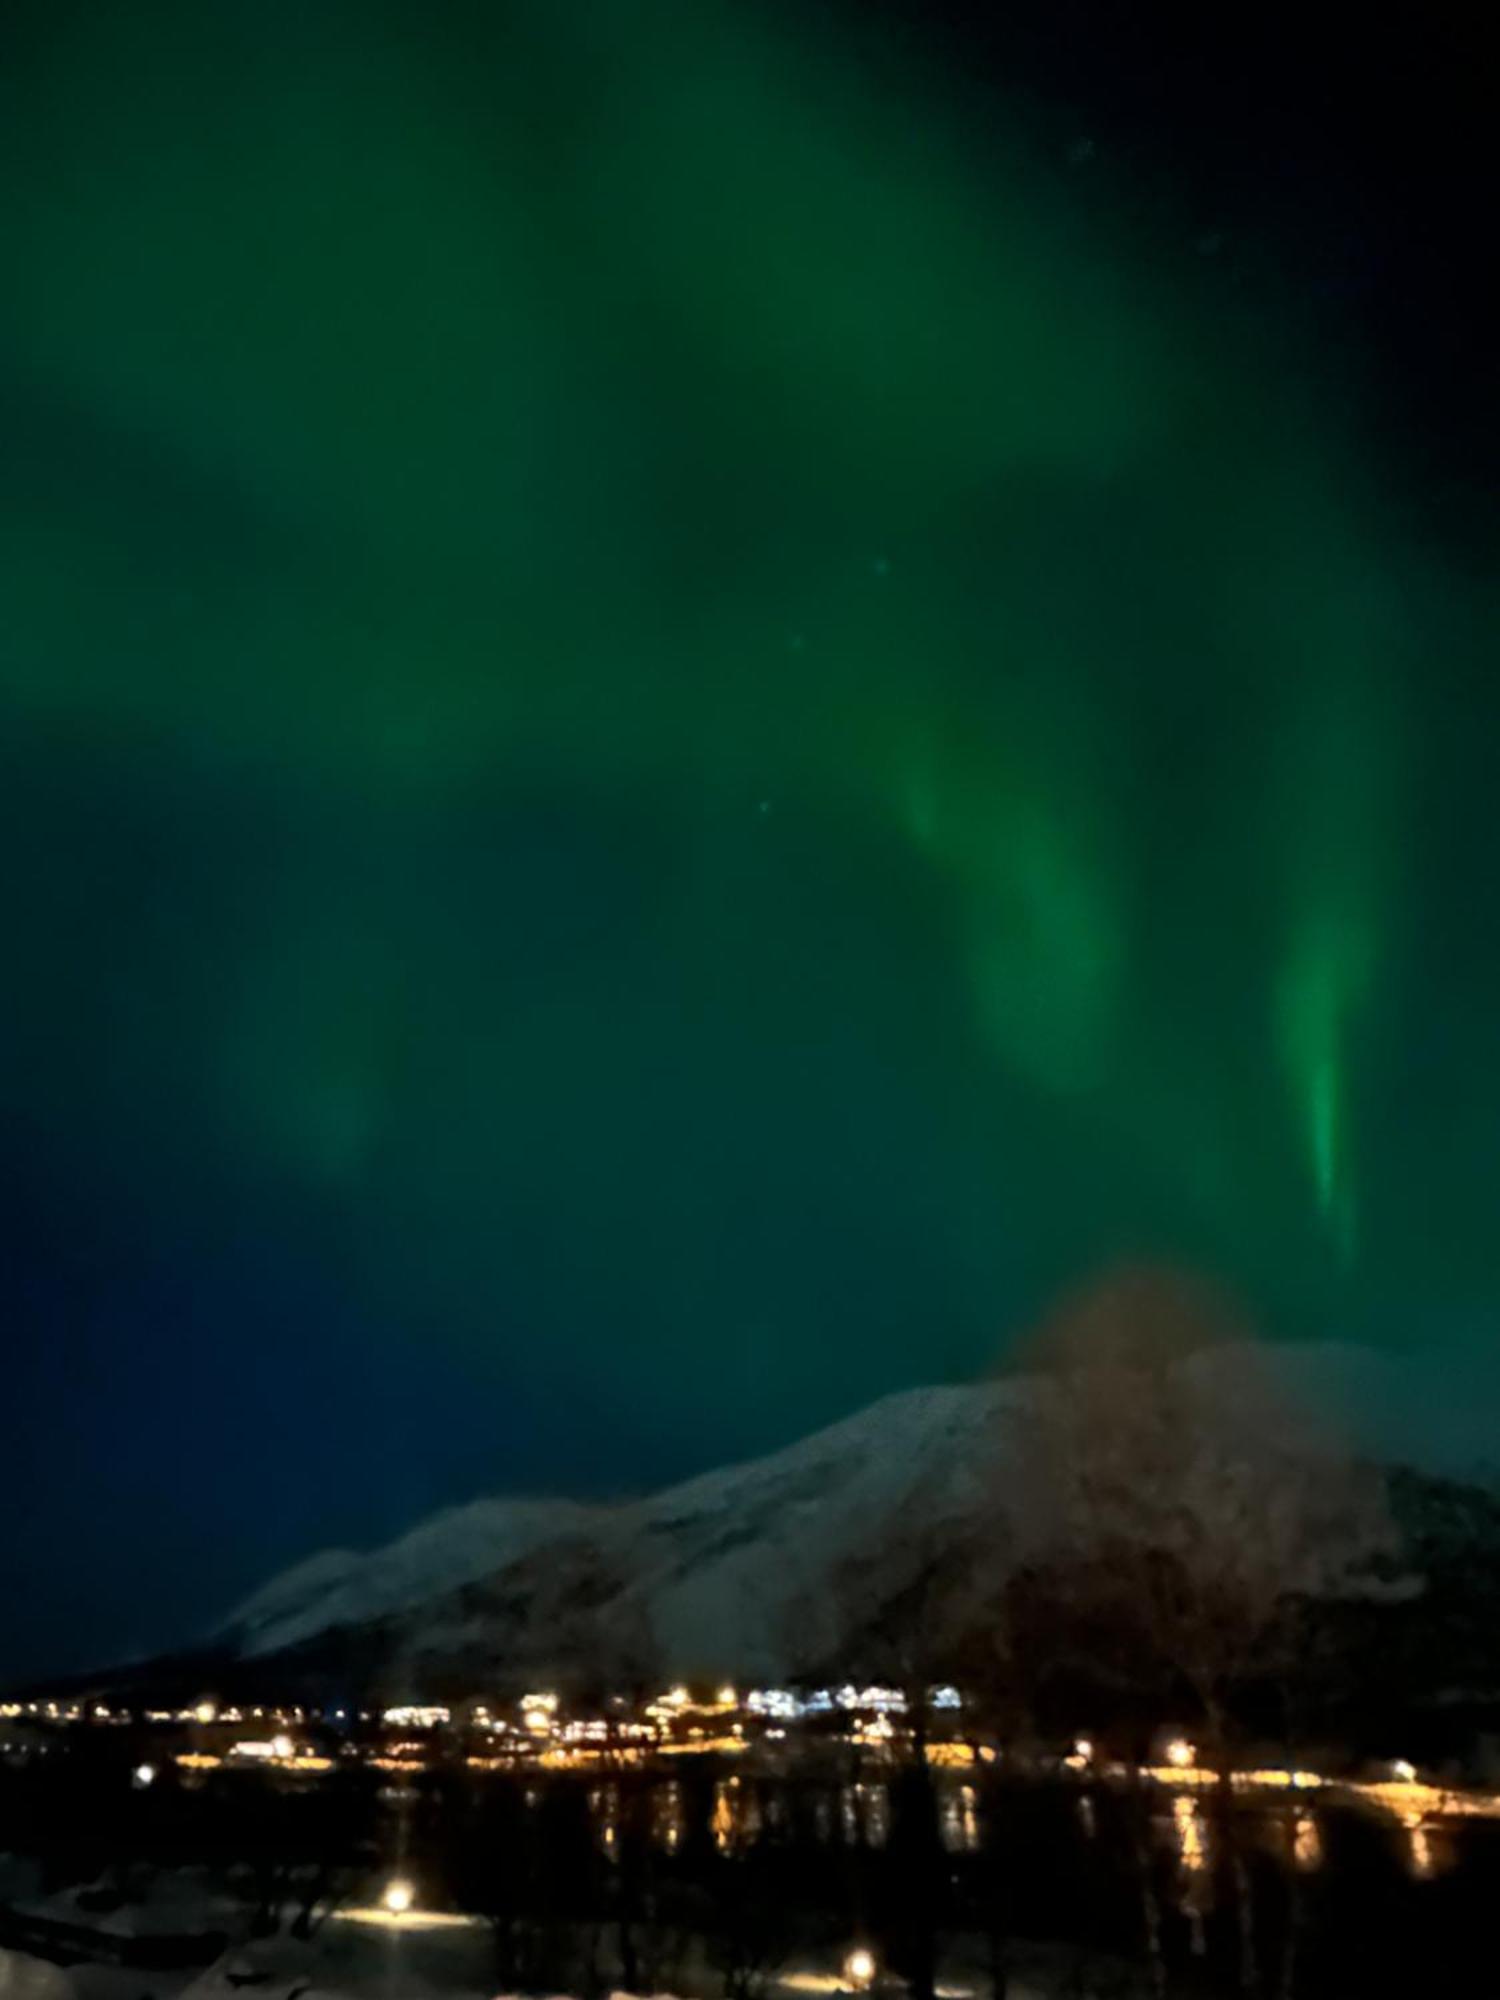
point(712, 1575)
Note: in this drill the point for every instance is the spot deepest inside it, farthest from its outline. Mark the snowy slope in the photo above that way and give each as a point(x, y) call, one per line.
point(739, 1569)
point(714, 1563)
point(452, 1548)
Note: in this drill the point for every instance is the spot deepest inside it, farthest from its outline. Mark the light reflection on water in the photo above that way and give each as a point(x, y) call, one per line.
point(1307, 1842)
point(865, 1814)
point(604, 1810)
point(741, 1812)
point(736, 1820)
point(959, 1818)
point(1329, 1874)
point(1427, 1850)
point(1190, 1834)
point(1190, 1838)
point(668, 1816)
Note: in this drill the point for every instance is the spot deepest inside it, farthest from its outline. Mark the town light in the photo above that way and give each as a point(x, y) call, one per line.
point(1083, 1749)
point(1404, 1773)
point(205, 1712)
point(143, 1775)
point(398, 1897)
point(1181, 1753)
point(726, 1696)
point(281, 1746)
point(859, 1969)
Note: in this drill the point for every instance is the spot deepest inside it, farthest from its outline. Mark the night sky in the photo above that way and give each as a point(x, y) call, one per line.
point(694, 698)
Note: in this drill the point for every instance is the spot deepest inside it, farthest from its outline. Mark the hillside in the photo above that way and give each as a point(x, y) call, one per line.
point(753, 1571)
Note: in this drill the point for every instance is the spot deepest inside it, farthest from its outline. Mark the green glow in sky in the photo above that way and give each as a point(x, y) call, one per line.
point(687, 704)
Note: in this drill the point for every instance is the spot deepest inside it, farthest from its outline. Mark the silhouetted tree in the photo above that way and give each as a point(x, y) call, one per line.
point(1190, 1508)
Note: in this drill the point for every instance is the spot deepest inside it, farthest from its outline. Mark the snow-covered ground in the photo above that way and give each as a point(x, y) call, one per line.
point(360, 1952)
point(346, 1962)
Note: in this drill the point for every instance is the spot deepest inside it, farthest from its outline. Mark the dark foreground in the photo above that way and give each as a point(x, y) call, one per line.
point(712, 1883)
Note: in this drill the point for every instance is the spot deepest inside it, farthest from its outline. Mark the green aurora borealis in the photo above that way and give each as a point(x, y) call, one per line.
point(673, 739)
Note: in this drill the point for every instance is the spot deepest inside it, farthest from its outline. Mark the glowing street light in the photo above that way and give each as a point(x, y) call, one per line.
point(1181, 1754)
point(205, 1712)
point(1404, 1773)
point(398, 1898)
point(143, 1775)
point(1083, 1749)
point(859, 1969)
point(281, 1746)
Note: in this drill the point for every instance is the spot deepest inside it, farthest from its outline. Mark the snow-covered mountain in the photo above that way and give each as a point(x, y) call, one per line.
point(460, 1545)
point(744, 1571)
point(710, 1570)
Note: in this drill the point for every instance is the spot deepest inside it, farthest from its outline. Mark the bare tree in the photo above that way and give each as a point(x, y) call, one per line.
point(1183, 1477)
point(1191, 1508)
